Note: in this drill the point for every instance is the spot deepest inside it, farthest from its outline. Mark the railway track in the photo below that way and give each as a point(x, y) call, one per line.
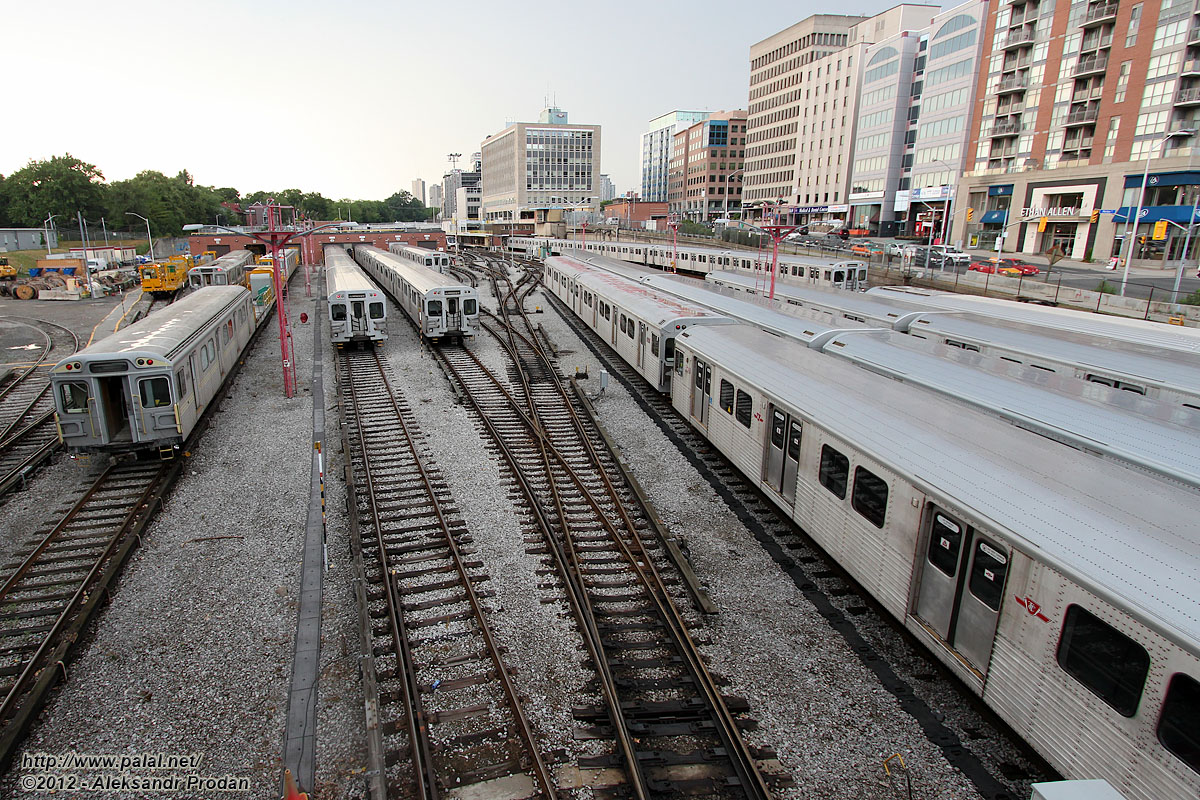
point(975, 740)
point(28, 434)
point(673, 732)
point(49, 595)
point(443, 712)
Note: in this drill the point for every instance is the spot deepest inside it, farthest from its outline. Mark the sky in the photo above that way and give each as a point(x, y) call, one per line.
point(356, 99)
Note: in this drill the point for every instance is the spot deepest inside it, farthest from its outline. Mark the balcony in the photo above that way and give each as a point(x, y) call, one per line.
point(1191, 125)
point(1078, 144)
point(1099, 13)
point(1088, 94)
point(1188, 97)
point(1013, 83)
point(1084, 116)
point(1091, 65)
point(1019, 39)
point(1190, 67)
point(1005, 111)
point(1009, 128)
point(1194, 35)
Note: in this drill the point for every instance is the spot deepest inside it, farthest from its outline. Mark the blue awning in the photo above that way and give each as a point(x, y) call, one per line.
point(998, 215)
point(1155, 213)
point(1163, 179)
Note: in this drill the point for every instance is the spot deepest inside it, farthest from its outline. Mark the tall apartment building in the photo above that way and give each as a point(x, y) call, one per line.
point(657, 143)
point(607, 190)
point(435, 199)
point(457, 179)
point(530, 166)
point(1074, 102)
point(703, 181)
point(804, 85)
point(914, 110)
point(418, 190)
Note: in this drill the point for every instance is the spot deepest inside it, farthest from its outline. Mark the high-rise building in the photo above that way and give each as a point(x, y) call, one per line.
point(706, 161)
point(607, 190)
point(454, 180)
point(418, 190)
point(657, 143)
point(435, 198)
point(804, 85)
point(1074, 101)
point(914, 108)
point(532, 166)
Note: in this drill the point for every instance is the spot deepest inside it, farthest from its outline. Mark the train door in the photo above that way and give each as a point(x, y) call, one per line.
point(783, 453)
point(195, 390)
point(701, 391)
point(114, 402)
point(612, 337)
point(962, 584)
point(641, 343)
point(453, 314)
point(358, 316)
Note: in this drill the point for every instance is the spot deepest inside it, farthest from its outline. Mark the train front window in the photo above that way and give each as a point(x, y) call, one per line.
point(469, 307)
point(376, 310)
point(1103, 659)
point(156, 392)
point(434, 308)
point(1179, 725)
point(74, 398)
point(337, 312)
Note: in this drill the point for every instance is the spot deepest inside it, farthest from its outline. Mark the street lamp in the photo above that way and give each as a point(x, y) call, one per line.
point(1137, 217)
point(727, 181)
point(148, 237)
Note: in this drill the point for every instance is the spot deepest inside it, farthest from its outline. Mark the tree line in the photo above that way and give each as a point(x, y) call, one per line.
point(63, 185)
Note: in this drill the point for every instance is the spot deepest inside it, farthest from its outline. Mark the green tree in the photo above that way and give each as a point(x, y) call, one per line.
point(61, 185)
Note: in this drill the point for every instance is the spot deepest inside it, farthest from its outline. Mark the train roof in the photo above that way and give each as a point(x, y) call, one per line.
point(1136, 331)
point(343, 275)
point(164, 331)
point(231, 260)
point(1141, 554)
point(1159, 437)
point(425, 251)
point(643, 302)
point(870, 309)
point(703, 250)
point(419, 276)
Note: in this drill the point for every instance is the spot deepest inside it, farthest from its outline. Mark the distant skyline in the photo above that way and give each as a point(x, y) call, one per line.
point(359, 102)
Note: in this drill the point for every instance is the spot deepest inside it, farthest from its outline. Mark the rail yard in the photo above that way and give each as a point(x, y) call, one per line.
point(539, 579)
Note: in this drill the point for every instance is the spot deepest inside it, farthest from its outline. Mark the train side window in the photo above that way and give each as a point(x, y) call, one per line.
point(944, 541)
point(375, 310)
point(204, 357)
point(1103, 659)
point(629, 329)
point(870, 496)
point(622, 324)
point(226, 332)
point(988, 569)
point(1179, 725)
point(744, 405)
point(835, 470)
point(74, 398)
point(654, 343)
point(181, 383)
point(156, 392)
point(337, 312)
point(727, 396)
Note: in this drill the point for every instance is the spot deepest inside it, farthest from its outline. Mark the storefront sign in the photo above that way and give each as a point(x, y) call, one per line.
point(932, 193)
point(1057, 211)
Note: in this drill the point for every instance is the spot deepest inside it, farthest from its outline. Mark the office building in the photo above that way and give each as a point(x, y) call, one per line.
point(454, 180)
point(914, 110)
point(418, 190)
point(657, 143)
point(804, 91)
point(607, 190)
point(1073, 103)
point(435, 198)
point(532, 167)
point(707, 159)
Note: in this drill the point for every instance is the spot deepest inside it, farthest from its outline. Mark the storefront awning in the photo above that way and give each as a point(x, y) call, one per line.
point(1154, 213)
point(1163, 179)
point(997, 216)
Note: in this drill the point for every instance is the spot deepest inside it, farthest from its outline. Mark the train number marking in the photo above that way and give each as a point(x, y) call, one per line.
point(1033, 608)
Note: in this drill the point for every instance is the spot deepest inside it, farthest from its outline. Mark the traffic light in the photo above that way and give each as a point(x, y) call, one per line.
point(1095, 216)
point(970, 214)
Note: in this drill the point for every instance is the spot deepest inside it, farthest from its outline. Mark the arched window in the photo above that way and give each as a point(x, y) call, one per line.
point(885, 54)
point(955, 24)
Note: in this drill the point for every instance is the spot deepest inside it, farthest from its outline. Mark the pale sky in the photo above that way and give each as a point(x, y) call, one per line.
point(356, 99)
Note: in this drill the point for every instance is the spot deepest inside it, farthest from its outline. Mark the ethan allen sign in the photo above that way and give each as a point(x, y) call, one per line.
point(1057, 211)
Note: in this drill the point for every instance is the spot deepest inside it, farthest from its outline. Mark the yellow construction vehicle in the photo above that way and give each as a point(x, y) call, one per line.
point(7, 273)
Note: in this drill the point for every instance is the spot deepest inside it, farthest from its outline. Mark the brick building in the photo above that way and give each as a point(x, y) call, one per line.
point(705, 181)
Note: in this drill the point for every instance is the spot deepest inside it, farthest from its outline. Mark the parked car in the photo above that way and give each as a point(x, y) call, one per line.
point(863, 247)
point(951, 255)
point(1004, 266)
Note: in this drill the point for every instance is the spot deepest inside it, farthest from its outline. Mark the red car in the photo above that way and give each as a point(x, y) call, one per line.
point(1005, 266)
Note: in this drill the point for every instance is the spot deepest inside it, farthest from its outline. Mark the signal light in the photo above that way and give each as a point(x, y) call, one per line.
point(970, 214)
point(1095, 216)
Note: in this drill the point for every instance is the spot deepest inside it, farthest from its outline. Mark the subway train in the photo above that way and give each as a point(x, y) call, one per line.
point(437, 261)
point(228, 270)
point(440, 306)
point(146, 386)
point(1061, 588)
point(357, 307)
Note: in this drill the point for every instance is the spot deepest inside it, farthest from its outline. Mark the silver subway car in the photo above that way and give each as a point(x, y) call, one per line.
point(437, 261)
point(145, 387)
point(440, 306)
point(228, 270)
point(357, 309)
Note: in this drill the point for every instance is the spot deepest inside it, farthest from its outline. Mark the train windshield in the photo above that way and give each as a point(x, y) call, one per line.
point(337, 311)
point(469, 307)
point(74, 397)
point(434, 308)
point(156, 392)
point(376, 310)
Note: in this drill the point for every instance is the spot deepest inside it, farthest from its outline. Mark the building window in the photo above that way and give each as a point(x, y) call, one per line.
point(1103, 659)
point(1135, 18)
